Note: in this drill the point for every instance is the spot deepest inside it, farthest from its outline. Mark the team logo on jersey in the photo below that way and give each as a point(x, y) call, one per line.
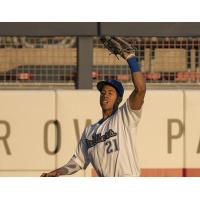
point(100, 138)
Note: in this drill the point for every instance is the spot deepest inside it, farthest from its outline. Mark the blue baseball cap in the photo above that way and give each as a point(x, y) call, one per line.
point(114, 83)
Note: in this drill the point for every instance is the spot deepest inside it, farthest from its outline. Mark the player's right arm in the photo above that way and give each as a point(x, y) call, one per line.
point(80, 160)
point(70, 168)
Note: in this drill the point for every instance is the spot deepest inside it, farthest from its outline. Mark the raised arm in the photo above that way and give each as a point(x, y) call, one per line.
point(70, 168)
point(136, 98)
point(127, 52)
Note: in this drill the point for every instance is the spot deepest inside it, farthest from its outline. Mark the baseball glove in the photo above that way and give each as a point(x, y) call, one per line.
point(117, 46)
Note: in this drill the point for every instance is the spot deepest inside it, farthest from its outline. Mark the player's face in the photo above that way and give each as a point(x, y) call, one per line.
point(108, 98)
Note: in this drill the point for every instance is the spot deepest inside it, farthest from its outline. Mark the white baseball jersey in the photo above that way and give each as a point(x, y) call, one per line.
point(110, 146)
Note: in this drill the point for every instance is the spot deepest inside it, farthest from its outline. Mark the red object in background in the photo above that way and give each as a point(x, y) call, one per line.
point(123, 77)
point(152, 76)
point(24, 76)
point(186, 76)
point(96, 75)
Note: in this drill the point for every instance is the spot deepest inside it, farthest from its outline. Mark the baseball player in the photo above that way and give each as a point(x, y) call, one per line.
point(109, 144)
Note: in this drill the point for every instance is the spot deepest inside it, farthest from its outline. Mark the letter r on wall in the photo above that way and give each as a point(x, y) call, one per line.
point(6, 136)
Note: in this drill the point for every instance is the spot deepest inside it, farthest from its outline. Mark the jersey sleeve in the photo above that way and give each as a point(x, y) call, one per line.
point(129, 116)
point(81, 154)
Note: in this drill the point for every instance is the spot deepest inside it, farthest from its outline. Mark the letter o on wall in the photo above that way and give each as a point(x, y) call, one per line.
point(57, 137)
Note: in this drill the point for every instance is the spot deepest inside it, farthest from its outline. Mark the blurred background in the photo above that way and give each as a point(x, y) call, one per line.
point(48, 77)
point(51, 53)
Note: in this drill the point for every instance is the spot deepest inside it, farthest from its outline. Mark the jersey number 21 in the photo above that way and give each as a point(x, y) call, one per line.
point(111, 145)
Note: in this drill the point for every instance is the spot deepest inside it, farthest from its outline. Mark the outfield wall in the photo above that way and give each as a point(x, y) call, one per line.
point(32, 142)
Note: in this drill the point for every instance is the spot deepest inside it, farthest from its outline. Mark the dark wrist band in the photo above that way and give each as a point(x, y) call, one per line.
point(133, 64)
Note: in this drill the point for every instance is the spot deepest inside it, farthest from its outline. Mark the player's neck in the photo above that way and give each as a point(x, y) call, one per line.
point(107, 113)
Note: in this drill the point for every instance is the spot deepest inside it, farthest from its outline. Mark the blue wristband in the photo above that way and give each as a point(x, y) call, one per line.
point(133, 64)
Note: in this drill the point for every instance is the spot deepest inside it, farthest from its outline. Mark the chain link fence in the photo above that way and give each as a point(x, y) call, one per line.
point(162, 60)
point(37, 60)
point(53, 61)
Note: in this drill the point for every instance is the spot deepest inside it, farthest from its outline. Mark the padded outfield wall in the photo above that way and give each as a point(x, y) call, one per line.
point(39, 130)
